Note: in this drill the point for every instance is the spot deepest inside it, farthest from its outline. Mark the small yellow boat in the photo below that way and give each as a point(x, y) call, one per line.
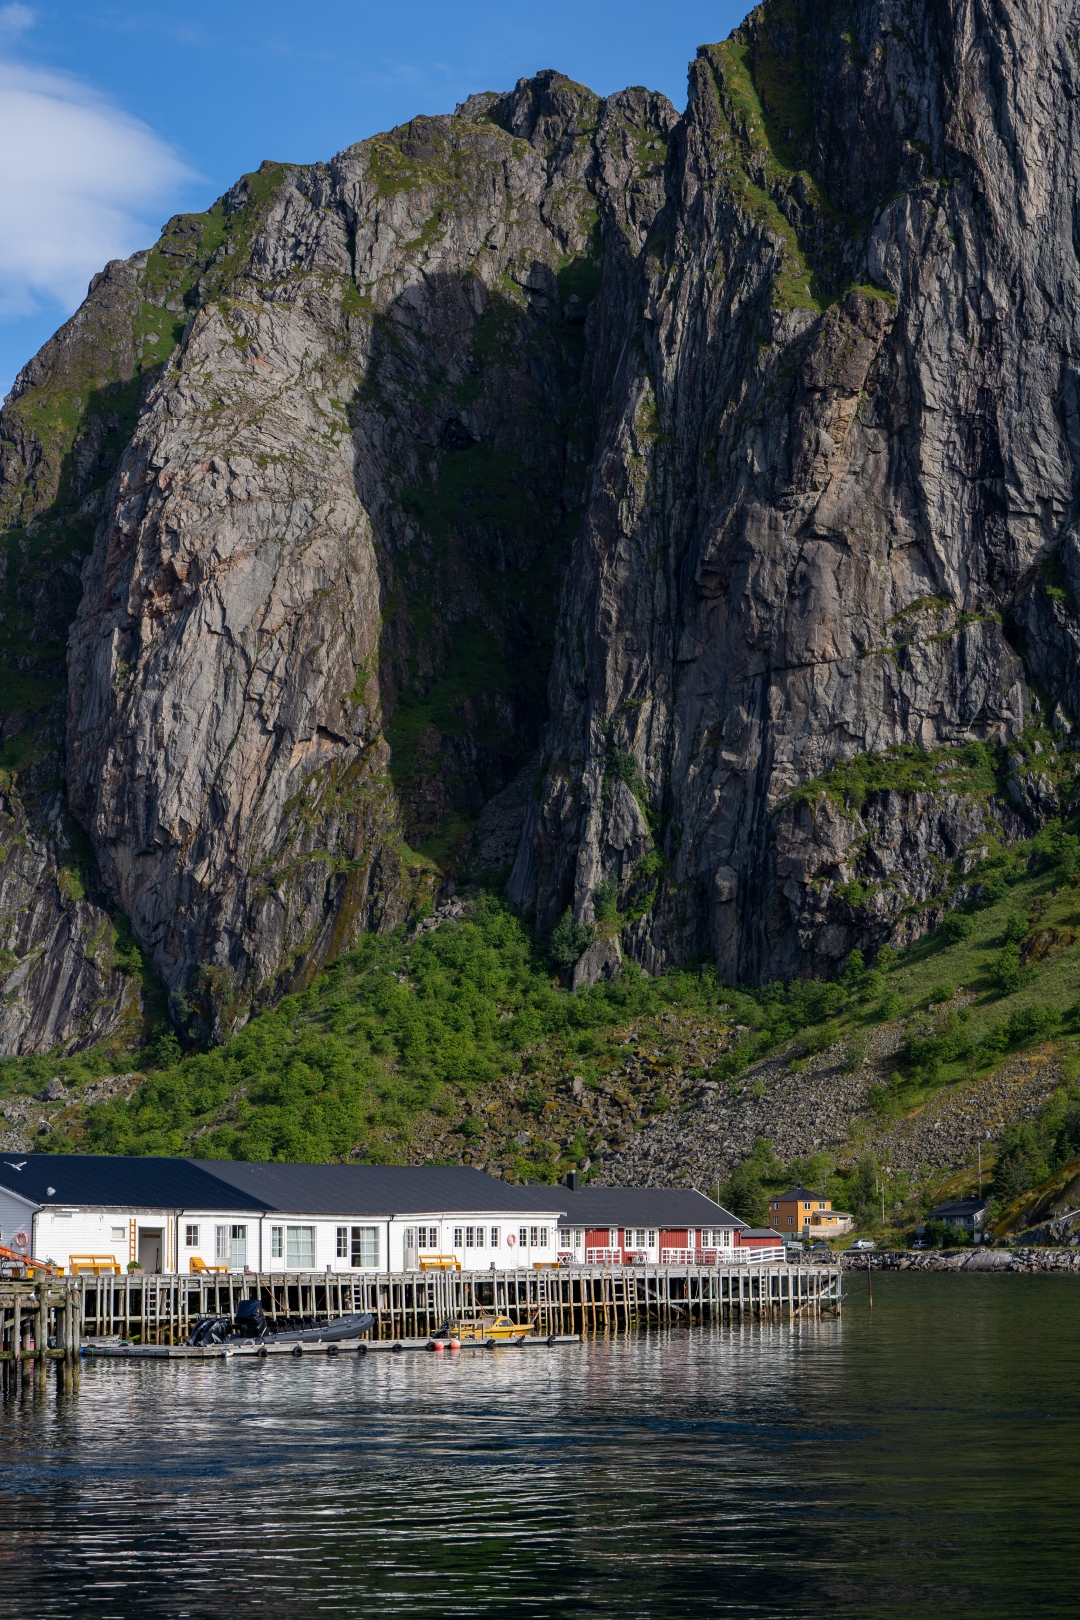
point(485, 1327)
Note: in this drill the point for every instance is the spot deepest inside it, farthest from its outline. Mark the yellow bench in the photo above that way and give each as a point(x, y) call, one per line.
point(199, 1268)
point(439, 1262)
point(99, 1265)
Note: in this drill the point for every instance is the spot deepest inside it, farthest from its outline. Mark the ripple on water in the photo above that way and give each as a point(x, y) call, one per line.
point(921, 1458)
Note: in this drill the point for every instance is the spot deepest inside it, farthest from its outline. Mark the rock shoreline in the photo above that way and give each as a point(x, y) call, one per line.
point(1026, 1260)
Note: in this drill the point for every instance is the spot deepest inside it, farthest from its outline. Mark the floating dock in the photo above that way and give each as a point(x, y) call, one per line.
point(55, 1318)
point(263, 1350)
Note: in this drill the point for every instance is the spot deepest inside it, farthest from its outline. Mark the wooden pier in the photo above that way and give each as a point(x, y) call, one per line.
point(53, 1319)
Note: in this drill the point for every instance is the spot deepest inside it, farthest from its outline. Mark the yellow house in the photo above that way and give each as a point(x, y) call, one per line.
point(802, 1213)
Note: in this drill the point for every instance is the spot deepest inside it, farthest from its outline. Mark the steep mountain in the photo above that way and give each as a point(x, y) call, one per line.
point(673, 515)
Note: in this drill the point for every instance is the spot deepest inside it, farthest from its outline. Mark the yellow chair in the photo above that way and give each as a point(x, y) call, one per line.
point(199, 1268)
point(439, 1262)
point(97, 1265)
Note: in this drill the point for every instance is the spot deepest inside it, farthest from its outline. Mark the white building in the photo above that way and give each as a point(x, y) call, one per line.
point(164, 1213)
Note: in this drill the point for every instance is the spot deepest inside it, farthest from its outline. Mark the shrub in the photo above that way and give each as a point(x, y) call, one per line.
point(1030, 1024)
point(1007, 973)
point(163, 1049)
point(957, 926)
point(891, 1006)
point(1015, 929)
point(568, 940)
point(606, 900)
point(855, 1054)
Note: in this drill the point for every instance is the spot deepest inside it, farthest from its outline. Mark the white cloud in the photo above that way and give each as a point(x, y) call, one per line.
point(75, 177)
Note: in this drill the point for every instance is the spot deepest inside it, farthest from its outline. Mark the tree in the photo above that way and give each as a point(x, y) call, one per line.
point(744, 1195)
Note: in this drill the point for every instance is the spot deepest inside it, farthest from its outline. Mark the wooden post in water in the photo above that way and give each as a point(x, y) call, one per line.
point(869, 1282)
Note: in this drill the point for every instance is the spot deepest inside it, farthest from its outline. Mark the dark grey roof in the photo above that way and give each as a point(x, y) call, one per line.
point(109, 1181)
point(959, 1206)
point(803, 1194)
point(643, 1206)
point(380, 1189)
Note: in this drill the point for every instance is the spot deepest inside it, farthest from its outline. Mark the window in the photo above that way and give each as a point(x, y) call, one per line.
point(791, 1220)
point(544, 1237)
point(578, 1237)
point(365, 1246)
point(639, 1237)
point(343, 1242)
point(459, 1235)
point(523, 1236)
point(806, 1206)
point(119, 1233)
point(277, 1242)
point(821, 1206)
point(613, 1237)
point(470, 1235)
point(534, 1237)
point(300, 1248)
point(191, 1236)
point(221, 1242)
point(432, 1239)
point(494, 1237)
point(237, 1247)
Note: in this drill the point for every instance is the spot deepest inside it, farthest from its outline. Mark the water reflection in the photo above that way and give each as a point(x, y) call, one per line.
point(872, 1466)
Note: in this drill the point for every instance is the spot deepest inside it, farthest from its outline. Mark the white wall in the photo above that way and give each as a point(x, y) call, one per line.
point(16, 1215)
point(61, 1232)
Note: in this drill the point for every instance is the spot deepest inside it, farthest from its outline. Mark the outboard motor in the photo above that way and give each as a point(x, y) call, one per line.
point(209, 1330)
point(250, 1321)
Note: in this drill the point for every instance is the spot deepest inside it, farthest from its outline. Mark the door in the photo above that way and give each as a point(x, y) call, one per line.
point(150, 1246)
point(237, 1248)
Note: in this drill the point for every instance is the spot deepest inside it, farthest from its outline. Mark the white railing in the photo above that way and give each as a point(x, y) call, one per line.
point(723, 1257)
point(603, 1257)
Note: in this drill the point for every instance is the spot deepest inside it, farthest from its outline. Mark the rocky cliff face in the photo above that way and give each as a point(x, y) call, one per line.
point(568, 486)
point(839, 467)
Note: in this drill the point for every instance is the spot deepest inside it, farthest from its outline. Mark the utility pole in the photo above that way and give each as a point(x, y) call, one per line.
point(979, 1144)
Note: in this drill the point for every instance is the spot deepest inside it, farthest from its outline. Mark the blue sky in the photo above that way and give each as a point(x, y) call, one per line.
point(114, 116)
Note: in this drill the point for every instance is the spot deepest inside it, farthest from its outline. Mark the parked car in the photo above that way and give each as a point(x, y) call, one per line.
point(920, 1243)
point(820, 1247)
point(862, 1243)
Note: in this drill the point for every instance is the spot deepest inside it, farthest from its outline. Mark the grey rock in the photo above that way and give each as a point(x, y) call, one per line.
point(600, 960)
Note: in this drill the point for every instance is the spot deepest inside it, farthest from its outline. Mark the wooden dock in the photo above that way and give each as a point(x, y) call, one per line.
point(54, 1319)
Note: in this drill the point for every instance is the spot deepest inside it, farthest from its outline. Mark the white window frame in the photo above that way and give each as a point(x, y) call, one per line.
point(191, 1235)
point(277, 1243)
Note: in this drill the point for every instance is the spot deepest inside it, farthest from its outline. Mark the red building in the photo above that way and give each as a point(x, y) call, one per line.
point(651, 1225)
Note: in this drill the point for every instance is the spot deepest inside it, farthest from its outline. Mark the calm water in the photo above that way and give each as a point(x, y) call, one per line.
point(926, 1459)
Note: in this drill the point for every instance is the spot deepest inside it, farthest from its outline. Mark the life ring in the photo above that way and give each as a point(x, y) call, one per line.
point(22, 1240)
point(511, 1239)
